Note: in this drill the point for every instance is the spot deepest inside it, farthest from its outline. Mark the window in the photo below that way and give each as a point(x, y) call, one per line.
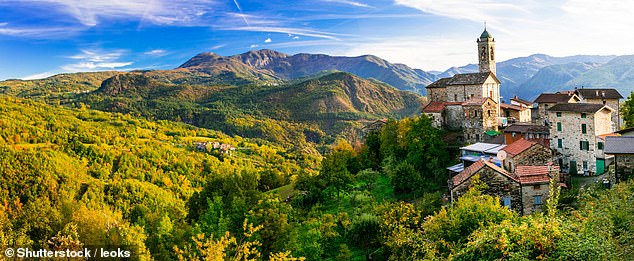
point(558, 114)
point(560, 143)
point(584, 145)
point(558, 126)
point(477, 137)
point(513, 134)
point(489, 112)
point(536, 187)
point(583, 128)
point(600, 145)
point(507, 201)
point(455, 97)
point(537, 200)
point(585, 165)
point(490, 94)
point(583, 115)
point(604, 102)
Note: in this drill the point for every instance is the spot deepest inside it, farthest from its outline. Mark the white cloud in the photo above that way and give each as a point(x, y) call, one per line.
point(37, 32)
point(216, 47)
point(39, 76)
point(156, 52)
point(268, 40)
point(348, 2)
point(164, 12)
point(295, 37)
point(4, 24)
point(254, 46)
point(286, 30)
point(96, 60)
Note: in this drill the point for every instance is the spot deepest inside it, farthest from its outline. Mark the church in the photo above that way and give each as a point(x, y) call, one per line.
point(471, 101)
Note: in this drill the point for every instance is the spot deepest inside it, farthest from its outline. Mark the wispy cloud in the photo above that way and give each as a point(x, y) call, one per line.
point(216, 47)
point(286, 30)
point(162, 12)
point(348, 2)
point(37, 32)
point(95, 60)
point(39, 76)
point(253, 46)
point(156, 52)
point(268, 40)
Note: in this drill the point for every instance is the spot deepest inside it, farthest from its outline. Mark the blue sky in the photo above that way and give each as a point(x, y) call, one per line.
point(39, 38)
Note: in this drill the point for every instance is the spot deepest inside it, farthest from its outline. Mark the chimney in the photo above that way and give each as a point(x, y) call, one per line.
point(597, 92)
point(603, 93)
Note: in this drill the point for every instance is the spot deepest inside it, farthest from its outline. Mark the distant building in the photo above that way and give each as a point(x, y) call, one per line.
point(526, 190)
point(622, 148)
point(609, 97)
point(520, 102)
point(545, 101)
point(524, 152)
point(515, 113)
point(527, 131)
point(575, 135)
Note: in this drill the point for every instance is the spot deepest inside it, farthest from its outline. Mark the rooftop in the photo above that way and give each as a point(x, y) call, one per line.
point(489, 148)
point(527, 128)
point(534, 174)
point(475, 167)
point(599, 93)
point(518, 147)
point(463, 79)
point(441, 83)
point(578, 107)
point(507, 106)
point(522, 101)
point(619, 145)
point(552, 98)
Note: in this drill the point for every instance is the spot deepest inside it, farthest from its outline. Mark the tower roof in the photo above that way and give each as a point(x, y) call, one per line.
point(485, 34)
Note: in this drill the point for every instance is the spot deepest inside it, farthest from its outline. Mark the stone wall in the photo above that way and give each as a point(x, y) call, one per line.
point(437, 94)
point(529, 191)
point(436, 119)
point(614, 104)
point(624, 165)
point(571, 137)
point(461, 93)
point(498, 184)
point(536, 155)
point(454, 116)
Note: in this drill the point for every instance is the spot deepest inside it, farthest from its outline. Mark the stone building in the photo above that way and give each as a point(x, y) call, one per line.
point(524, 191)
point(609, 97)
point(480, 116)
point(622, 148)
point(524, 152)
point(515, 113)
point(547, 100)
point(520, 102)
point(574, 135)
point(454, 100)
point(527, 131)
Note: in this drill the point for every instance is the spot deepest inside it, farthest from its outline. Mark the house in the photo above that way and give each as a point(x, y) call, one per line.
point(520, 102)
point(441, 116)
point(609, 97)
point(545, 101)
point(515, 113)
point(480, 116)
point(574, 136)
point(525, 190)
point(527, 131)
point(524, 152)
point(474, 153)
point(622, 148)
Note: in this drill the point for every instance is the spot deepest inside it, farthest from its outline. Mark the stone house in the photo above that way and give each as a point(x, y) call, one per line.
point(527, 131)
point(622, 148)
point(524, 191)
point(574, 136)
point(524, 152)
point(520, 102)
point(515, 113)
point(445, 115)
point(609, 97)
point(474, 153)
point(547, 100)
point(480, 115)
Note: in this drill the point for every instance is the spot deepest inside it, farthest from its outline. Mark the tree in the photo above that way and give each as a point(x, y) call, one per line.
point(628, 111)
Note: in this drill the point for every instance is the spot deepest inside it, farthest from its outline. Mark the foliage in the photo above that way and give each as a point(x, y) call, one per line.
point(627, 110)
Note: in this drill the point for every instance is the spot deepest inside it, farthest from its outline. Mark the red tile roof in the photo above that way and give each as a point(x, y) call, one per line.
point(433, 107)
point(512, 107)
point(475, 167)
point(518, 146)
point(534, 174)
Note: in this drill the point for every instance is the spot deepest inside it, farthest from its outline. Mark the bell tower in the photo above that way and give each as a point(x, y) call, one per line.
point(486, 51)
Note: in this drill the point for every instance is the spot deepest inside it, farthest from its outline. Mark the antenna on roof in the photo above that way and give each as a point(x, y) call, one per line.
point(485, 25)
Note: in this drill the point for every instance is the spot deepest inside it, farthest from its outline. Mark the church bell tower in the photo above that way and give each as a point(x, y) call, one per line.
point(486, 52)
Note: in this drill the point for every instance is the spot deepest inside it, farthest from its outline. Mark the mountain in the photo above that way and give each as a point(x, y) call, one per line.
point(617, 73)
point(268, 65)
point(311, 109)
point(553, 78)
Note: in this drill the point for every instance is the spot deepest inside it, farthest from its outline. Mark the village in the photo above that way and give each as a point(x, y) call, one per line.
point(517, 148)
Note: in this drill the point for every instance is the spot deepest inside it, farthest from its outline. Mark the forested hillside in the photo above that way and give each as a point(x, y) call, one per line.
point(75, 177)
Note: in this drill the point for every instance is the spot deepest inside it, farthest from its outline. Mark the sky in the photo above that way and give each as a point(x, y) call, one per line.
point(39, 38)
